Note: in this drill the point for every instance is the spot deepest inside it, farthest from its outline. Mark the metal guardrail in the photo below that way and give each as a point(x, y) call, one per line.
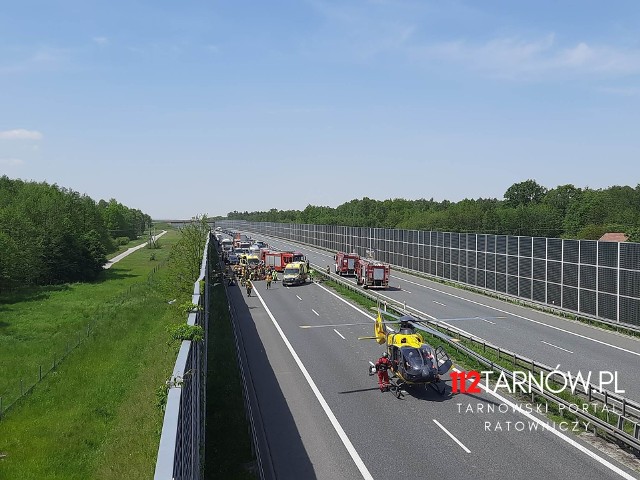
point(545, 307)
point(630, 410)
point(181, 452)
point(627, 411)
point(587, 277)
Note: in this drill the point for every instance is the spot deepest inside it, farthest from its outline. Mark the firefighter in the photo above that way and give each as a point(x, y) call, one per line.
point(268, 279)
point(382, 365)
point(249, 287)
point(275, 275)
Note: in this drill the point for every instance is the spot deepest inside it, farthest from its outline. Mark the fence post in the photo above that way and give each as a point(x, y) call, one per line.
point(39, 373)
point(21, 387)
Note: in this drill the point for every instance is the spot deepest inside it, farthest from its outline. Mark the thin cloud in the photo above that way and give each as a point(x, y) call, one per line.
point(41, 59)
point(11, 162)
point(102, 41)
point(622, 91)
point(21, 134)
point(513, 57)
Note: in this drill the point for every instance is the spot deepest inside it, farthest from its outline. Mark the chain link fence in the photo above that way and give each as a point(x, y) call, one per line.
point(27, 376)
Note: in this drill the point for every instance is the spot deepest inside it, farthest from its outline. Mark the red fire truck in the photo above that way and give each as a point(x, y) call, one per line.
point(346, 263)
point(279, 260)
point(372, 274)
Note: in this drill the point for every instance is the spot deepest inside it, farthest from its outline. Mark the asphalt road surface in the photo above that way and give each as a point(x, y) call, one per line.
point(325, 417)
point(574, 346)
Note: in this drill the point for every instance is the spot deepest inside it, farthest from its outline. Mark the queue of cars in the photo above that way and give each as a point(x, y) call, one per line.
point(242, 252)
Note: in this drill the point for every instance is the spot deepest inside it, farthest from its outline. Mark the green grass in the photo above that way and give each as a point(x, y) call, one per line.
point(95, 416)
point(39, 324)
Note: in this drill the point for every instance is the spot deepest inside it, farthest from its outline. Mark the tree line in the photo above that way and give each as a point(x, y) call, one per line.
point(527, 208)
point(52, 235)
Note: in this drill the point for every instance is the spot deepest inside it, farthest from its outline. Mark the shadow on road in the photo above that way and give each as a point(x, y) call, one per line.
point(286, 451)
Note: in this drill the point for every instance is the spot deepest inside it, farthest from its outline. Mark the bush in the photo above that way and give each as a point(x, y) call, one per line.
point(121, 241)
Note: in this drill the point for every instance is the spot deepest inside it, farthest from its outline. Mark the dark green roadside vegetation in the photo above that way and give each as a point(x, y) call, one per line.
point(527, 208)
point(228, 447)
point(98, 414)
point(51, 235)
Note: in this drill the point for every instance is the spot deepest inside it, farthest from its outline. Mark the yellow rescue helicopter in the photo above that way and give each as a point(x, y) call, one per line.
point(414, 362)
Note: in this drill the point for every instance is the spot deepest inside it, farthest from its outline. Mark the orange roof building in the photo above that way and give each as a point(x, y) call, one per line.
point(614, 237)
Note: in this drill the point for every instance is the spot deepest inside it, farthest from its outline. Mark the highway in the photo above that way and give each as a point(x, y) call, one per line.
point(326, 419)
point(542, 337)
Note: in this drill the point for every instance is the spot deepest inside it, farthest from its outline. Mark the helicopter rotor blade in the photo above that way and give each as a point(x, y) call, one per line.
point(477, 317)
point(345, 324)
point(432, 331)
point(336, 325)
point(389, 314)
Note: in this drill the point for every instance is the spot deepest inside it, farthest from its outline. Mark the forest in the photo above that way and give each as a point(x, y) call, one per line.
point(52, 235)
point(527, 208)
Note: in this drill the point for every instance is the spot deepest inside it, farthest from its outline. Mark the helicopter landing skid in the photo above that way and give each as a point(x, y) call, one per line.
point(396, 388)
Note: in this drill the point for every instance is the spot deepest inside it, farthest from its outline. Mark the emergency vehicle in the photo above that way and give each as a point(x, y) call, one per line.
point(279, 260)
point(372, 274)
point(295, 273)
point(346, 263)
point(249, 261)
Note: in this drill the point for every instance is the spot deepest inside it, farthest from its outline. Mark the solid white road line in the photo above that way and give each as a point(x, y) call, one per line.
point(323, 403)
point(555, 432)
point(339, 334)
point(299, 297)
point(315, 312)
point(344, 301)
point(517, 316)
point(552, 345)
point(452, 436)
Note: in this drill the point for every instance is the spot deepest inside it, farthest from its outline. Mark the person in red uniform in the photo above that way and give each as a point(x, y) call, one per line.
point(382, 366)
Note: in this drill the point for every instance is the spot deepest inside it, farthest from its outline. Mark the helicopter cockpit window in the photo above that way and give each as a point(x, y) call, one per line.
point(417, 358)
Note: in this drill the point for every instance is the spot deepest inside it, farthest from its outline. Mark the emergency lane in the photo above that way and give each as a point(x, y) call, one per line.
point(407, 436)
point(524, 331)
point(302, 442)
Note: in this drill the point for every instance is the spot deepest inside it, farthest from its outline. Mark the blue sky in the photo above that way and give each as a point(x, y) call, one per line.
point(184, 108)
